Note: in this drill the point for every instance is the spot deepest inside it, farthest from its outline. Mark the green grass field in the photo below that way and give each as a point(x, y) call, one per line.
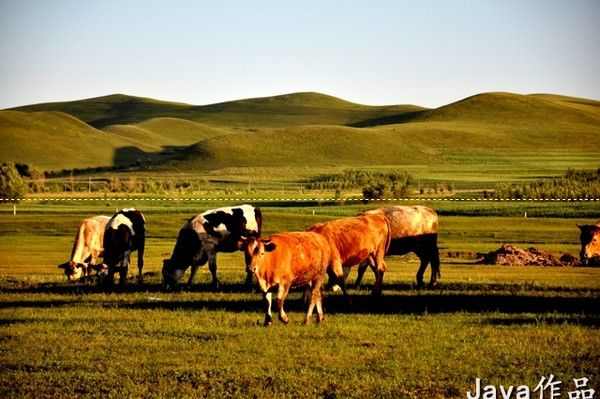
point(506, 325)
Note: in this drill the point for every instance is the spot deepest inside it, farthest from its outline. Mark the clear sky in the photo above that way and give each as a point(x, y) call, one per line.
point(374, 52)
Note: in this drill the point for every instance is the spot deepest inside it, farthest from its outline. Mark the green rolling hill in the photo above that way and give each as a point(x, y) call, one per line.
point(278, 111)
point(296, 130)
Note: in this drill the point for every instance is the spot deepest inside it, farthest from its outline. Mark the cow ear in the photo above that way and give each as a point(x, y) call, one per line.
point(270, 246)
point(580, 226)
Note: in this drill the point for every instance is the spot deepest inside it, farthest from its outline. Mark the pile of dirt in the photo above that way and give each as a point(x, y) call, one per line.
point(509, 255)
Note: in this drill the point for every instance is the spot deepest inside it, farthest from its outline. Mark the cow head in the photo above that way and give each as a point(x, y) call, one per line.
point(254, 250)
point(73, 271)
point(171, 274)
point(590, 242)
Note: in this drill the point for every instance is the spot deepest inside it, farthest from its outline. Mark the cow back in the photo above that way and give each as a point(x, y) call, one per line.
point(354, 239)
point(410, 221)
point(299, 258)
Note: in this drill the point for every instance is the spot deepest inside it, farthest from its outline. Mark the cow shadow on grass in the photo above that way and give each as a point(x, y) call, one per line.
point(396, 299)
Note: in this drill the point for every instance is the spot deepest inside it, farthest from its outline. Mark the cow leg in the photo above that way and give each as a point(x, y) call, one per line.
point(435, 263)
point(337, 271)
point(268, 297)
point(212, 266)
point(379, 268)
point(421, 272)
point(195, 267)
point(282, 293)
point(124, 268)
point(140, 260)
point(198, 261)
point(315, 300)
point(320, 316)
point(361, 272)
point(108, 280)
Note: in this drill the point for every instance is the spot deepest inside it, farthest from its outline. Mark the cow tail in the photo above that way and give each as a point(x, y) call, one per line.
point(388, 241)
point(258, 217)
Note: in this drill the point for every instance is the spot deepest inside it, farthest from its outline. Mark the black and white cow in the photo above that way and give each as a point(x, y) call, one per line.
point(202, 236)
point(125, 233)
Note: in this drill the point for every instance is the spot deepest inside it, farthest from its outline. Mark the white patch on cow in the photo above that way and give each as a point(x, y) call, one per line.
point(221, 227)
point(248, 211)
point(118, 220)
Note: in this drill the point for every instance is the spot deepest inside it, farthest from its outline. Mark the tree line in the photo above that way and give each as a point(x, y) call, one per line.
point(573, 184)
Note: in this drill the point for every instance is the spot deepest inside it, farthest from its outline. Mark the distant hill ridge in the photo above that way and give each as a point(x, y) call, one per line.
point(291, 129)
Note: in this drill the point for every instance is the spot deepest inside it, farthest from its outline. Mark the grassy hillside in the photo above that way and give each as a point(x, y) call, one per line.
point(303, 130)
point(291, 109)
point(422, 143)
point(155, 134)
point(54, 140)
point(111, 110)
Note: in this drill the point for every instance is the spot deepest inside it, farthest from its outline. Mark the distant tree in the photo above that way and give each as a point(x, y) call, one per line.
point(12, 185)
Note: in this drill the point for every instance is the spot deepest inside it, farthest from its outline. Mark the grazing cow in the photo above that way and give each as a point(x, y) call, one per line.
point(285, 260)
point(125, 233)
point(590, 242)
point(202, 236)
point(353, 240)
point(412, 229)
point(87, 248)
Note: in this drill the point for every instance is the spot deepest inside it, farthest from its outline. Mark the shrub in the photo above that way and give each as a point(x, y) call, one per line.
point(12, 184)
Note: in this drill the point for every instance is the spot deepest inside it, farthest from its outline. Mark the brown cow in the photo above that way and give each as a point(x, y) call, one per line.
point(590, 242)
point(412, 229)
point(283, 260)
point(87, 248)
point(353, 240)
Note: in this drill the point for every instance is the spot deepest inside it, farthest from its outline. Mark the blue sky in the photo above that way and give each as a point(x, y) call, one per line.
point(374, 52)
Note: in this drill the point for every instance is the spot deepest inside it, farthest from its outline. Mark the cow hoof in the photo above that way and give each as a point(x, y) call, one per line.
point(268, 323)
point(432, 284)
point(284, 320)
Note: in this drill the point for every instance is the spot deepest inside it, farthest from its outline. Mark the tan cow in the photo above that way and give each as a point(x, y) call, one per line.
point(590, 242)
point(87, 248)
point(412, 229)
point(353, 240)
point(283, 260)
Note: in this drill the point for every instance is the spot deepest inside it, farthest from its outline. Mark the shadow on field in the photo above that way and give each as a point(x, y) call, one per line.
point(396, 299)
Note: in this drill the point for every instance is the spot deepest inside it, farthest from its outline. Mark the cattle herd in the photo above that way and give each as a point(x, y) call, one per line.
point(279, 261)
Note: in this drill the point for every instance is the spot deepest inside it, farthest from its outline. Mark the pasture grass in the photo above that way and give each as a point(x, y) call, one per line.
point(506, 325)
point(144, 343)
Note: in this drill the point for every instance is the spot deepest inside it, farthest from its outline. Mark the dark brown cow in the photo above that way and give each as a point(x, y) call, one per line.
point(87, 248)
point(125, 233)
point(412, 229)
point(353, 240)
point(283, 260)
point(590, 242)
